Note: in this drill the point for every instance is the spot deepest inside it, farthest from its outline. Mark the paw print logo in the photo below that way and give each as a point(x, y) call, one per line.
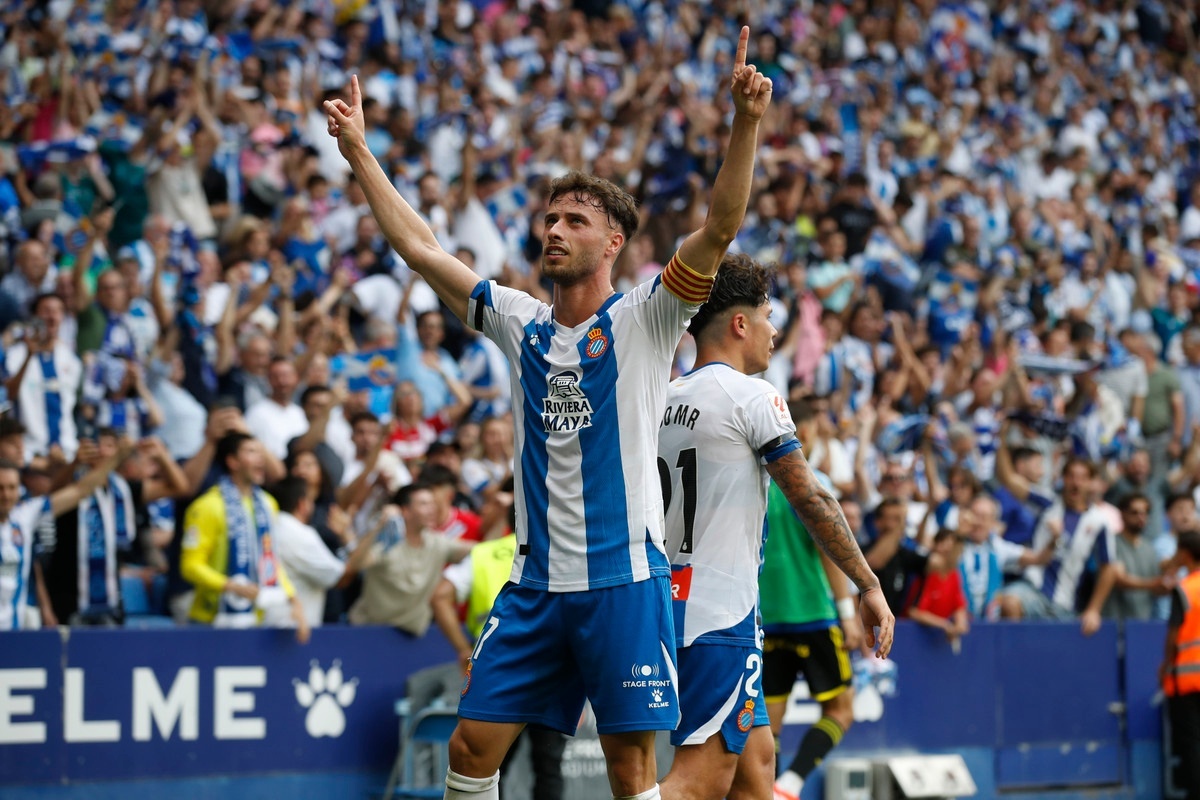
point(657, 695)
point(325, 694)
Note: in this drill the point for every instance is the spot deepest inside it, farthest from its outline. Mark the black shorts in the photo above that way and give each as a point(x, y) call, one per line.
point(819, 655)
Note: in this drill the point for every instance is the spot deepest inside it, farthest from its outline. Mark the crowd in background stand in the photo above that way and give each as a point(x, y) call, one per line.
point(985, 221)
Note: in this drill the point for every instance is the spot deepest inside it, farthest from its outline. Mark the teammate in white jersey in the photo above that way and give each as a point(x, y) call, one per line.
point(722, 434)
point(20, 520)
point(587, 613)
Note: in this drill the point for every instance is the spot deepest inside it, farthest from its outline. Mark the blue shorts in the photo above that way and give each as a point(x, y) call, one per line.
point(541, 654)
point(720, 691)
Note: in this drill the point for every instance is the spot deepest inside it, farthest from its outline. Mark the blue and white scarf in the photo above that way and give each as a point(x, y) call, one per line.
point(251, 555)
point(54, 403)
point(106, 527)
point(982, 580)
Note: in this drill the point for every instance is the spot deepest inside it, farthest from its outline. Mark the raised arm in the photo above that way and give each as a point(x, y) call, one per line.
point(406, 232)
point(171, 480)
point(826, 523)
point(1005, 472)
point(73, 494)
point(704, 249)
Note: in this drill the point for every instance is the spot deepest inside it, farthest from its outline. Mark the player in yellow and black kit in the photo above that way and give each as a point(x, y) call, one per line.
point(800, 615)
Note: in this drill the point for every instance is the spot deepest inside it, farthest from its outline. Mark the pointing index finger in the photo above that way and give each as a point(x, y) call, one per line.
point(743, 38)
point(356, 93)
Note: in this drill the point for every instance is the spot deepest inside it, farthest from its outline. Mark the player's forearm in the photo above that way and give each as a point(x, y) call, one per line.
point(404, 229)
point(731, 188)
point(823, 517)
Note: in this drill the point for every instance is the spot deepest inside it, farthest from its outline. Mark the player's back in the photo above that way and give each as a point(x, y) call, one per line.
point(716, 424)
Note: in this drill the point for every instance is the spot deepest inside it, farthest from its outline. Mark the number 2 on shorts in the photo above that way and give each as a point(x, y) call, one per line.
point(754, 663)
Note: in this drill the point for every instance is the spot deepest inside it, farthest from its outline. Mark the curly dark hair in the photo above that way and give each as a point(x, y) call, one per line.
point(604, 196)
point(741, 281)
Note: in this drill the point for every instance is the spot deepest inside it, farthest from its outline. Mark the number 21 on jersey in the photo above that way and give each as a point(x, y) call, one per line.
point(687, 463)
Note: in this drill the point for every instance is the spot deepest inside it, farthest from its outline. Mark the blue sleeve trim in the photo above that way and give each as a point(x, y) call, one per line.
point(779, 450)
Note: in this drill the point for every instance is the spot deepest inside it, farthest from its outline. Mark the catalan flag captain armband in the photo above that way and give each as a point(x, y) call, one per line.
point(685, 283)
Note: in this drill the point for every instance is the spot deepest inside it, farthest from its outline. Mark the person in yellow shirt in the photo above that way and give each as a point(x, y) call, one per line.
point(228, 548)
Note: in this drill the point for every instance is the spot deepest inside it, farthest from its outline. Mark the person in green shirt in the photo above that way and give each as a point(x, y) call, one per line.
point(810, 625)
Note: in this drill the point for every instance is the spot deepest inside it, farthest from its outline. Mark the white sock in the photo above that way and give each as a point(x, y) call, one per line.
point(790, 782)
point(460, 787)
point(649, 794)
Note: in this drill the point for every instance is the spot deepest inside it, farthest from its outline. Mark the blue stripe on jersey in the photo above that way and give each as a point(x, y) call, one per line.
point(1100, 548)
point(762, 544)
point(1070, 522)
point(534, 459)
point(781, 451)
point(17, 611)
point(600, 459)
point(1050, 578)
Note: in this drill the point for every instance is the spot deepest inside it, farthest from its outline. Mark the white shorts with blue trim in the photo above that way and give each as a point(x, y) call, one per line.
point(720, 691)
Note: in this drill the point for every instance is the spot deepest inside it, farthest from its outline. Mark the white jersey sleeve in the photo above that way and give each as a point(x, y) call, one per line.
point(718, 430)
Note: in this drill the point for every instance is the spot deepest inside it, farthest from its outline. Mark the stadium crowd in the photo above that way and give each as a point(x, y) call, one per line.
point(985, 221)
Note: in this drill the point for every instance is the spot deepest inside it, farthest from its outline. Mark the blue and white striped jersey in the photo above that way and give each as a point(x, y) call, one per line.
point(1086, 537)
point(587, 401)
point(18, 537)
point(719, 429)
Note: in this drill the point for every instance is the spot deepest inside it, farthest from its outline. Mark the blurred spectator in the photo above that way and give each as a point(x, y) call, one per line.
point(317, 403)
point(1051, 591)
point(44, 380)
point(228, 553)
point(988, 559)
point(311, 566)
point(405, 565)
point(277, 419)
point(1177, 672)
point(448, 519)
point(33, 274)
point(1139, 576)
point(103, 535)
point(941, 603)
point(484, 474)
point(897, 560)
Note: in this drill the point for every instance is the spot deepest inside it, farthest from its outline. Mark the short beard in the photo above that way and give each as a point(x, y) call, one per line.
point(571, 274)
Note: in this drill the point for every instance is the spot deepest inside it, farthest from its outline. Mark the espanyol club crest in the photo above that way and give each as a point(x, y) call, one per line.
point(745, 717)
point(597, 343)
point(379, 370)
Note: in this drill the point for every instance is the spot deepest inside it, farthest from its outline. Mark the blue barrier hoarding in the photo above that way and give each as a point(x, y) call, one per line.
point(101, 705)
